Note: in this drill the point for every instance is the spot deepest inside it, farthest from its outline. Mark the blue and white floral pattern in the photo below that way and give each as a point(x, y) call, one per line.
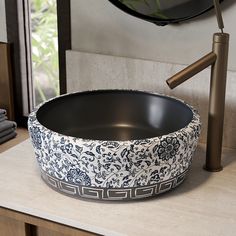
point(168, 148)
point(114, 164)
point(78, 177)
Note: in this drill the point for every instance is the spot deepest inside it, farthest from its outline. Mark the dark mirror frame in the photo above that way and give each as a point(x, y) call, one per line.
point(157, 21)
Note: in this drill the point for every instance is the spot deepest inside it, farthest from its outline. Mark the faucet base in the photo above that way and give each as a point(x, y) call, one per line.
point(212, 170)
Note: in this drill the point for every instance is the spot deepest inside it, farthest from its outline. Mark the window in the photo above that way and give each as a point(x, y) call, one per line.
point(39, 34)
point(44, 44)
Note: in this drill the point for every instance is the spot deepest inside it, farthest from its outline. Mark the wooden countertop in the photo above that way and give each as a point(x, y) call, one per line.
point(22, 134)
point(204, 205)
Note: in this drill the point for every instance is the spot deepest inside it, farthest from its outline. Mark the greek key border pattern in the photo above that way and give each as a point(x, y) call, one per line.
point(126, 194)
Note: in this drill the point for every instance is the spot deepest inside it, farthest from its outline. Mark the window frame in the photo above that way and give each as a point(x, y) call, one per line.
point(17, 26)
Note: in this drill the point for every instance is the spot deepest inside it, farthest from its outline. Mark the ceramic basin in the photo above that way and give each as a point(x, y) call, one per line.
point(114, 144)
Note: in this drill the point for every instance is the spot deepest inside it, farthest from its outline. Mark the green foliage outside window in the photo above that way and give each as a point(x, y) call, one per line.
point(44, 49)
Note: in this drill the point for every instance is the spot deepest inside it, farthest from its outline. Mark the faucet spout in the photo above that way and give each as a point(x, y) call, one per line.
point(191, 70)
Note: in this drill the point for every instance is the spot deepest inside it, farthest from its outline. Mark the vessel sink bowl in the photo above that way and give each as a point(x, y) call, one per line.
point(114, 144)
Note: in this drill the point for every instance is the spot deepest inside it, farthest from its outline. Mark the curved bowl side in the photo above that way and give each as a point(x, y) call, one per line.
point(114, 170)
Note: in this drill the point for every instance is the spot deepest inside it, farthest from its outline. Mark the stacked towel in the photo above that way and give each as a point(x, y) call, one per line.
point(7, 128)
point(3, 114)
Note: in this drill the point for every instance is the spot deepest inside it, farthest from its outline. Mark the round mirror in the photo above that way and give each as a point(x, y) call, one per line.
point(163, 12)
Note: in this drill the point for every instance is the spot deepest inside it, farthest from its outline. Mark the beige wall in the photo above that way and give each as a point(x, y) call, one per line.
point(104, 29)
point(88, 71)
point(100, 27)
point(3, 33)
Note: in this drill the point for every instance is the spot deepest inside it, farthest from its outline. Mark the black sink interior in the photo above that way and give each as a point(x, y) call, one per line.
point(114, 115)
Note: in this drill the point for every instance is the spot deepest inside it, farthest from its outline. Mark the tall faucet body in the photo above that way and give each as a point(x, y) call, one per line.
point(218, 59)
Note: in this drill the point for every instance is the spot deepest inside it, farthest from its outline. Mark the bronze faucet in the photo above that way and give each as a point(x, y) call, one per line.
point(218, 59)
